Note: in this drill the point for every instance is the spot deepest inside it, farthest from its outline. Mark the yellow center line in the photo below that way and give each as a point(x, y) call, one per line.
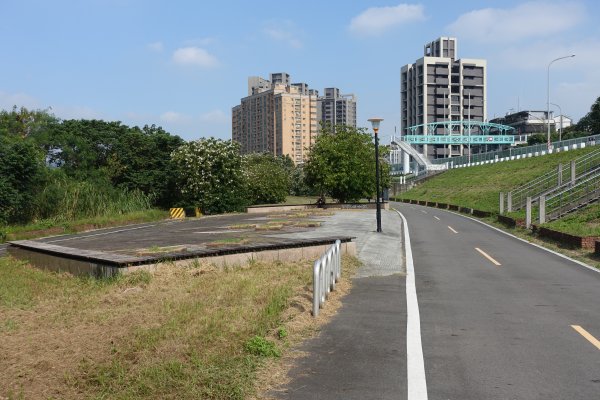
point(486, 255)
point(436, 217)
point(587, 335)
point(452, 229)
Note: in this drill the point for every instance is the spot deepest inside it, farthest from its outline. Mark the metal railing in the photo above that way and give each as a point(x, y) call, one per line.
point(516, 151)
point(327, 271)
point(554, 180)
point(584, 192)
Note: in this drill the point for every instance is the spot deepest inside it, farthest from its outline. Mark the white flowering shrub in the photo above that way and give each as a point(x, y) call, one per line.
point(209, 175)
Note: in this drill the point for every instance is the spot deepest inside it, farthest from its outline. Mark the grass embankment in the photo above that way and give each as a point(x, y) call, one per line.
point(176, 333)
point(479, 187)
point(585, 222)
point(61, 226)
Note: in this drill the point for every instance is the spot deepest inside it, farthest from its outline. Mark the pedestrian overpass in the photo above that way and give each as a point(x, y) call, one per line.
point(445, 133)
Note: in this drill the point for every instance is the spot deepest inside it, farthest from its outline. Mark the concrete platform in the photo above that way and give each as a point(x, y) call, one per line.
point(215, 239)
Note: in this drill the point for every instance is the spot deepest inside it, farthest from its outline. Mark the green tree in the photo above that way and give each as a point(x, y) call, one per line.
point(23, 123)
point(591, 122)
point(128, 158)
point(209, 175)
point(21, 174)
point(342, 164)
point(267, 178)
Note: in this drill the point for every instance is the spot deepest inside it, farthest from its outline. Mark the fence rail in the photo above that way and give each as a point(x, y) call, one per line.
point(569, 199)
point(556, 180)
point(517, 151)
point(327, 271)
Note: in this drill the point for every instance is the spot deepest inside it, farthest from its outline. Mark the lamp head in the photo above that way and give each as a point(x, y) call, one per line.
point(375, 123)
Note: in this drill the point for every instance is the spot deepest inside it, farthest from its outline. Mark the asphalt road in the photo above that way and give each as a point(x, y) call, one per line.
point(498, 314)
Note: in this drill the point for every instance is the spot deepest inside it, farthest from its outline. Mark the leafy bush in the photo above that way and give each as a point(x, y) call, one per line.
point(267, 179)
point(259, 346)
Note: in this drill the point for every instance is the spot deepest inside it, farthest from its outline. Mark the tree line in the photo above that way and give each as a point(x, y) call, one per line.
point(68, 169)
point(587, 125)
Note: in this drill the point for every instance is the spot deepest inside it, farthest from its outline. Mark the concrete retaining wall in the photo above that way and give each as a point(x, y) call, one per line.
point(102, 264)
point(333, 206)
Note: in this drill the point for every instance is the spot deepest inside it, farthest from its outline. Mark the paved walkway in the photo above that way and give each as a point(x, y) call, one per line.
point(361, 353)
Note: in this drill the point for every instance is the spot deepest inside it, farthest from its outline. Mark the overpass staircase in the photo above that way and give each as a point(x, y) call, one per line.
point(421, 159)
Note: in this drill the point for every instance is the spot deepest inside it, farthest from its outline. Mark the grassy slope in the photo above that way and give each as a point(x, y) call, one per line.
point(479, 187)
point(585, 222)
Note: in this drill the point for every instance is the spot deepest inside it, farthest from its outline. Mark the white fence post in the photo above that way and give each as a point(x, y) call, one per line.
point(327, 271)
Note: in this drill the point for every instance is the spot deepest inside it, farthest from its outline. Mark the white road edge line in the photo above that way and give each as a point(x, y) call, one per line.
point(415, 364)
point(99, 234)
point(528, 242)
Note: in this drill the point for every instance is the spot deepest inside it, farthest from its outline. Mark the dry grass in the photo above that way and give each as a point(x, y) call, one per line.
point(175, 333)
point(242, 226)
point(228, 242)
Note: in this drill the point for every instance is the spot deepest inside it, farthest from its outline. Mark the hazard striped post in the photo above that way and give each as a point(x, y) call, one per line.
point(177, 213)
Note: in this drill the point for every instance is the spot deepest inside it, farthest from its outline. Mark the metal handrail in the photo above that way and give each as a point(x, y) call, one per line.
point(560, 203)
point(548, 183)
point(327, 271)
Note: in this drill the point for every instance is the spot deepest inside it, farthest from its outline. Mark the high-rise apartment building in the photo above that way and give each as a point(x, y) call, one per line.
point(277, 117)
point(440, 87)
point(337, 109)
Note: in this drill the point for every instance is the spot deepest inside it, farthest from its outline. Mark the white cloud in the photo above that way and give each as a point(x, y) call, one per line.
point(75, 112)
point(536, 56)
point(155, 46)
point(194, 56)
point(284, 31)
point(8, 100)
point(376, 20)
point(527, 20)
point(215, 116)
point(201, 42)
point(174, 117)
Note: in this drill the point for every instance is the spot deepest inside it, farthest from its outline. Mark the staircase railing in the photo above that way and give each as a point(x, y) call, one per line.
point(571, 198)
point(553, 181)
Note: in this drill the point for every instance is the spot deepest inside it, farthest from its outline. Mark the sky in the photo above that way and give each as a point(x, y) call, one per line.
point(183, 65)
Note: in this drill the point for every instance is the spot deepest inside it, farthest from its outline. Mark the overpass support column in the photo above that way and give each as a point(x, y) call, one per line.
point(405, 163)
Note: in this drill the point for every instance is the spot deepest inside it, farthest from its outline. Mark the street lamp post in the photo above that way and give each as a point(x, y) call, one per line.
point(548, 96)
point(375, 123)
point(561, 121)
point(469, 119)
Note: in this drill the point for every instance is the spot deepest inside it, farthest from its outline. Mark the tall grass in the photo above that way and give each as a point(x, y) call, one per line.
point(67, 200)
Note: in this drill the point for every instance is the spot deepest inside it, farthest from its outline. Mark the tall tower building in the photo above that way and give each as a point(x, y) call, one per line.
point(276, 117)
point(337, 109)
point(441, 87)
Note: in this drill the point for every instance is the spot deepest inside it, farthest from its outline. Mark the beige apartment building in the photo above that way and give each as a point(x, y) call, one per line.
point(276, 117)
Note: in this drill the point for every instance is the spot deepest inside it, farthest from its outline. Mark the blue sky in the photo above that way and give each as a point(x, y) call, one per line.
point(184, 64)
